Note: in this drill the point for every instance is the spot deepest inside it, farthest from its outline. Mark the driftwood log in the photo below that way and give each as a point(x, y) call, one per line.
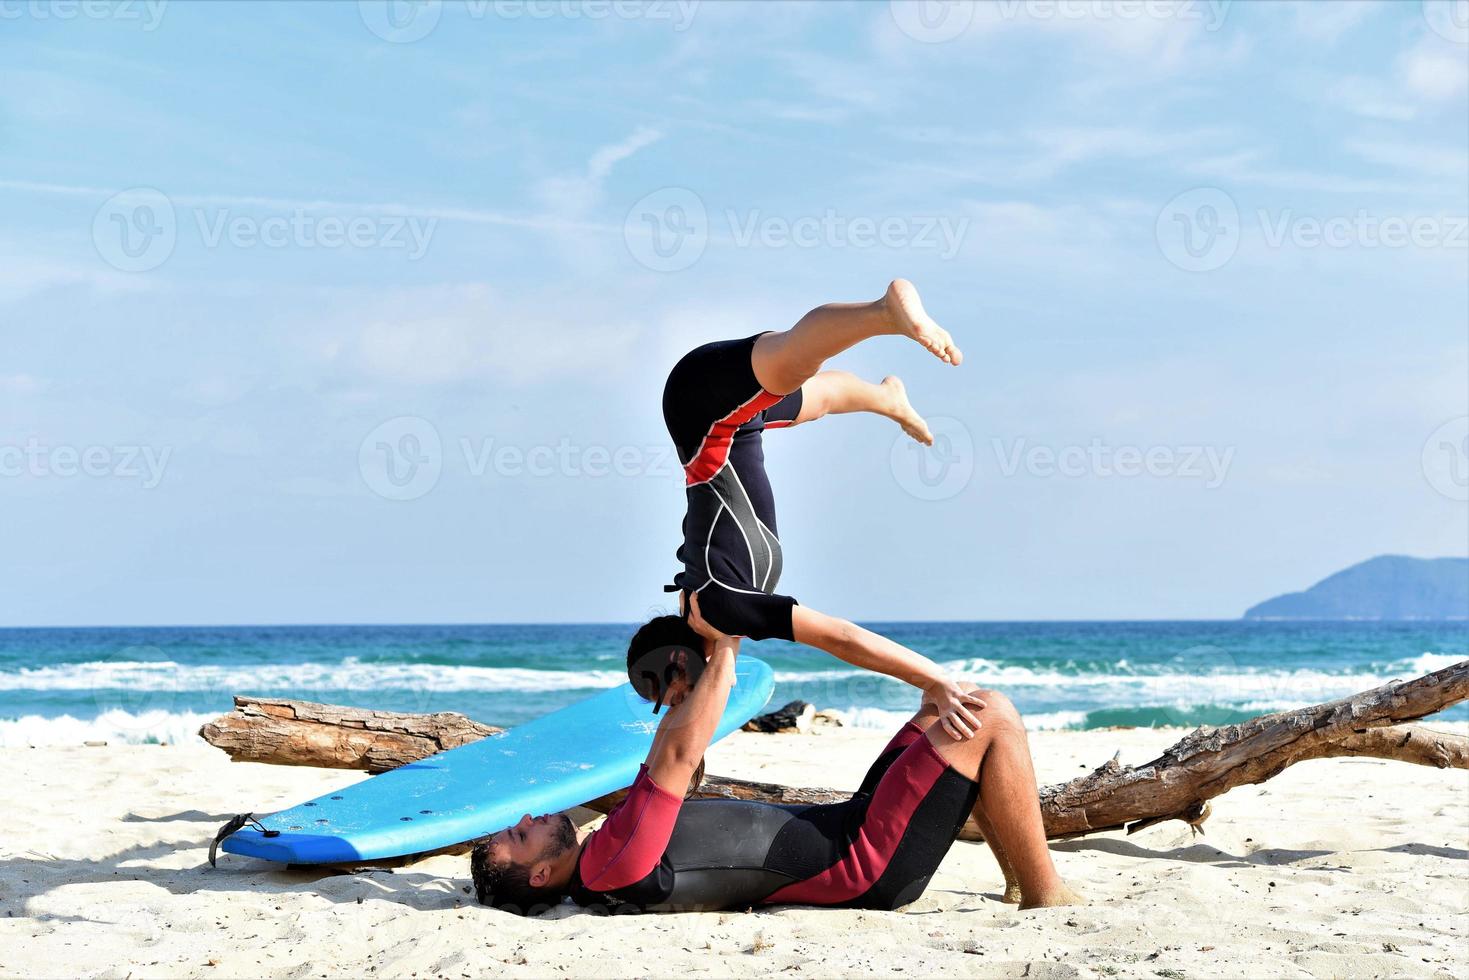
point(303, 733)
point(1177, 785)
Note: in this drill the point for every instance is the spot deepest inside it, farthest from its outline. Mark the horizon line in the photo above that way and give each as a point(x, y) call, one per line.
point(631, 623)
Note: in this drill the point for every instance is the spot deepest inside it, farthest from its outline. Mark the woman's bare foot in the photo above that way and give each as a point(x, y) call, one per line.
point(1062, 894)
point(911, 320)
point(900, 410)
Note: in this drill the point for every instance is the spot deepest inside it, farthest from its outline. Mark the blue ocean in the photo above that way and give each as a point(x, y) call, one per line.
point(158, 684)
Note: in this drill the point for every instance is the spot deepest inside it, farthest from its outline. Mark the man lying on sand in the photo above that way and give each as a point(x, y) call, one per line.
point(718, 400)
point(658, 853)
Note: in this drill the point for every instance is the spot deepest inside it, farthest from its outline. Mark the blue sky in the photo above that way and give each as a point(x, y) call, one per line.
point(342, 313)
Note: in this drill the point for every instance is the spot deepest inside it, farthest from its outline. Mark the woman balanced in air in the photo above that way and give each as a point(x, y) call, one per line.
point(718, 400)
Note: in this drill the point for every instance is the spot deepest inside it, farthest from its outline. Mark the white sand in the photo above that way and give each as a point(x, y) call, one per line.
point(1338, 868)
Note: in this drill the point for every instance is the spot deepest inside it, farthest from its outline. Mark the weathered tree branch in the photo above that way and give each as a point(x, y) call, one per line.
point(1177, 785)
point(1209, 762)
point(303, 733)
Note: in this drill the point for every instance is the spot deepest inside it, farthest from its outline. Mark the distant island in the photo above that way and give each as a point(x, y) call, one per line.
point(1385, 587)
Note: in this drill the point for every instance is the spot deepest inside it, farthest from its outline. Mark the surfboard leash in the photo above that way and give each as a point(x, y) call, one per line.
point(236, 823)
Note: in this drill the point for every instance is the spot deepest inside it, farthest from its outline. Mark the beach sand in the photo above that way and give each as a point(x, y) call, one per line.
point(1335, 868)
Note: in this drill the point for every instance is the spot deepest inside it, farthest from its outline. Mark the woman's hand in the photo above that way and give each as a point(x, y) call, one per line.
point(703, 628)
point(953, 705)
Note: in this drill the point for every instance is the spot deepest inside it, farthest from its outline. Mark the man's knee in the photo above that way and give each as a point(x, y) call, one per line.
point(999, 711)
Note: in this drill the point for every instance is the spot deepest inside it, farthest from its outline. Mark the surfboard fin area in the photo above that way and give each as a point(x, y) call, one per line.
point(557, 761)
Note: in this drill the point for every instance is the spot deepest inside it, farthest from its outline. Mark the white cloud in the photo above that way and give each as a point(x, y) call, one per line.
point(1327, 22)
point(1360, 95)
point(21, 384)
point(1450, 163)
point(22, 276)
point(578, 194)
point(1155, 38)
point(452, 334)
point(1435, 71)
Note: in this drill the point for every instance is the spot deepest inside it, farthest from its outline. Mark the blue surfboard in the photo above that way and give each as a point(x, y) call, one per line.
point(557, 761)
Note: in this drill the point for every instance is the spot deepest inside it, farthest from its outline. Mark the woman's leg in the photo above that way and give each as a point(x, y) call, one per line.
point(784, 361)
point(840, 393)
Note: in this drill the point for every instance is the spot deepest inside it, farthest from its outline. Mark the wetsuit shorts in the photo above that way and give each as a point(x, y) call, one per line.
point(877, 850)
point(716, 410)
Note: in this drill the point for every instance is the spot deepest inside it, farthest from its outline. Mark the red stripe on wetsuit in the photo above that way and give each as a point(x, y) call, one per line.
point(898, 795)
point(713, 451)
point(631, 841)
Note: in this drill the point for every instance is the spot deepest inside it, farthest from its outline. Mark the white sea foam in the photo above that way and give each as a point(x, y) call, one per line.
point(1141, 688)
point(1428, 662)
point(882, 719)
point(114, 727)
point(1215, 673)
point(350, 674)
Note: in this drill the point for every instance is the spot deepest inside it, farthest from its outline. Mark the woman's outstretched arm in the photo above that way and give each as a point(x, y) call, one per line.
point(871, 651)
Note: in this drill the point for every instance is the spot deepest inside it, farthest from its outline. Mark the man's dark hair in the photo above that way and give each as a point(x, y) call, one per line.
point(506, 886)
point(651, 652)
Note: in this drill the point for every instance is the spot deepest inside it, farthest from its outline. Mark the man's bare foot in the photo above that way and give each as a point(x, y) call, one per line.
point(1062, 894)
point(1012, 894)
point(911, 320)
point(900, 410)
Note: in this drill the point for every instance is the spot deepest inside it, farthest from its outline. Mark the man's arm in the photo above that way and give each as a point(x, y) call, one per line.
point(686, 731)
point(870, 651)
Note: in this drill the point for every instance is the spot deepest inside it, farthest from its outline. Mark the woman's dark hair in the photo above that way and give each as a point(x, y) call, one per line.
point(651, 653)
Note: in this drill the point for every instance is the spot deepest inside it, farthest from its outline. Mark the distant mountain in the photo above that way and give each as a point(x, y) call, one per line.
point(1385, 587)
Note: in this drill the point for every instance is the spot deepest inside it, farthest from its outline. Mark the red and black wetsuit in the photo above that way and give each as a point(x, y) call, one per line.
point(715, 410)
point(878, 850)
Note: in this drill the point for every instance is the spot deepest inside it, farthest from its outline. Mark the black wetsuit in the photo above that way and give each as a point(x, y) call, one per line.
point(715, 410)
point(877, 850)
